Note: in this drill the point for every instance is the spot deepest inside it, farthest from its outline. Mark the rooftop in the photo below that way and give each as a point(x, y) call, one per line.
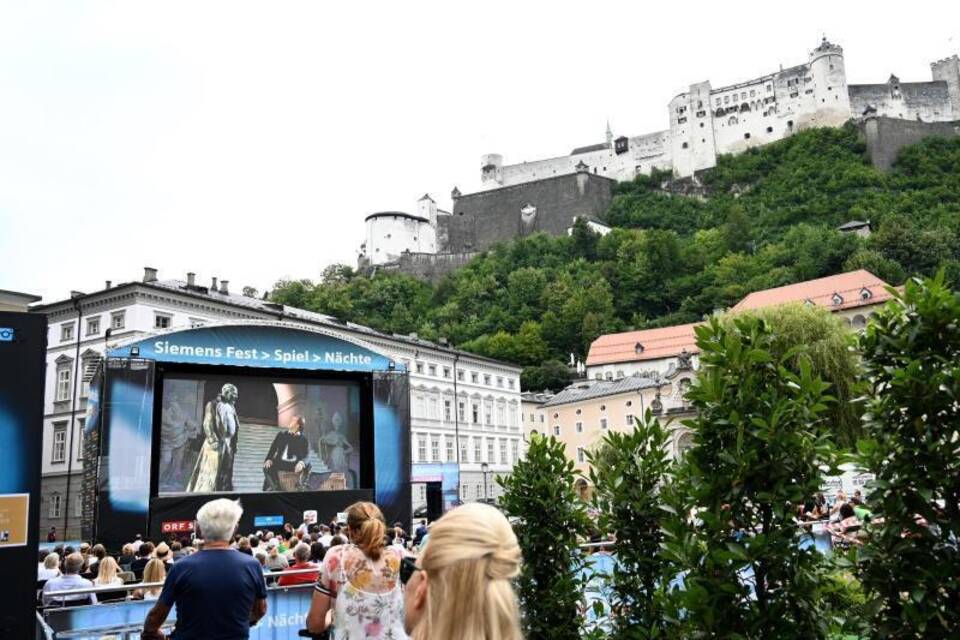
point(591, 389)
point(649, 344)
point(843, 291)
point(600, 146)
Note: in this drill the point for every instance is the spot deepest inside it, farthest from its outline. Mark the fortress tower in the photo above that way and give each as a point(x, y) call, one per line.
point(948, 70)
point(691, 131)
point(831, 96)
point(491, 175)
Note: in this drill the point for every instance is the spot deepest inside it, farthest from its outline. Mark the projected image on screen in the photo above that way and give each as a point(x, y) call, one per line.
point(249, 434)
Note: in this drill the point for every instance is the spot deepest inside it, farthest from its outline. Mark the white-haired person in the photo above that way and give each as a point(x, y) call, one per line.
point(69, 581)
point(460, 586)
point(360, 581)
point(218, 591)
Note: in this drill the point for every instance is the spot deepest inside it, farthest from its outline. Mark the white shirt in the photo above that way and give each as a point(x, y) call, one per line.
point(325, 539)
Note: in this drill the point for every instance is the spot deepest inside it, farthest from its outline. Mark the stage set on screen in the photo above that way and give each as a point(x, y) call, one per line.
point(286, 419)
point(248, 434)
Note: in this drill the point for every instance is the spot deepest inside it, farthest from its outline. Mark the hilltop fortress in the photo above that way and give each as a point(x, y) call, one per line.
point(704, 122)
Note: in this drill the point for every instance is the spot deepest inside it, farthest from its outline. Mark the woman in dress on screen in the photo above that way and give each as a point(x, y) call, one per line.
point(340, 447)
point(214, 470)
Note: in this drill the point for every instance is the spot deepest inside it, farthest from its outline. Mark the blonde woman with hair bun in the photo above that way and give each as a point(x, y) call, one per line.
point(360, 582)
point(460, 585)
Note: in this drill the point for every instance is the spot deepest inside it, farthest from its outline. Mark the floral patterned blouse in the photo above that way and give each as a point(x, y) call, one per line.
point(368, 601)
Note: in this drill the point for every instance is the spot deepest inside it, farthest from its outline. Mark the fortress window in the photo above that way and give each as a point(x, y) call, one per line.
point(752, 93)
point(790, 124)
point(685, 145)
point(726, 99)
point(769, 87)
point(746, 136)
point(701, 125)
point(769, 129)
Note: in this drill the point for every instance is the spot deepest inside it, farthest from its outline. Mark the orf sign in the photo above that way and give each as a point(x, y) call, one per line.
point(176, 526)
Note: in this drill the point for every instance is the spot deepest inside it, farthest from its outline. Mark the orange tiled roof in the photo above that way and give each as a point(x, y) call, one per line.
point(854, 289)
point(665, 342)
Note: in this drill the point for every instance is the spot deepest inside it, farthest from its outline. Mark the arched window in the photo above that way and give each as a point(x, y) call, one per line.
point(732, 120)
point(859, 322)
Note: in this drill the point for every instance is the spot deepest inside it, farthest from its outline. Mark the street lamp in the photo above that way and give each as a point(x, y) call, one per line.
point(486, 470)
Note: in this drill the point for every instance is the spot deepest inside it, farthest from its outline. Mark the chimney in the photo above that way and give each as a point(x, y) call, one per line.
point(213, 283)
point(107, 284)
point(224, 287)
point(149, 274)
point(191, 279)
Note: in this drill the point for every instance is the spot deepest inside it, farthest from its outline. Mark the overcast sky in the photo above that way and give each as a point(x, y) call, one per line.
point(248, 141)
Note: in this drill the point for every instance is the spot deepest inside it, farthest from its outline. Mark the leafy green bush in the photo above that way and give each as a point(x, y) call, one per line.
point(911, 566)
point(628, 472)
point(757, 455)
point(541, 495)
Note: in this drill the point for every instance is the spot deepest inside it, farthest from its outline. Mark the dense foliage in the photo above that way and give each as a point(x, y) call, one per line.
point(827, 344)
point(540, 493)
point(757, 455)
point(628, 473)
point(765, 218)
point(912, 563)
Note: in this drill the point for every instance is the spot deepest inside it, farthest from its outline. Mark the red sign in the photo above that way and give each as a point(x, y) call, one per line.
point(176, 526)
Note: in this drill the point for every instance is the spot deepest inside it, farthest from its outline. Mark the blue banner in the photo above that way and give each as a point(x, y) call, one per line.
point(257, 346)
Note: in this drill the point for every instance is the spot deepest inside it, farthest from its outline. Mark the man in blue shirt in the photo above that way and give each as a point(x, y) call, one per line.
point(219, 592)
point(69, 581)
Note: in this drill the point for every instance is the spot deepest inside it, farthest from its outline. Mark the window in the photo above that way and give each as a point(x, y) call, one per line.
point(488, 414)
point(581, 457)
point(486, 379)
point(500, 382)
point(419, 367)
point(865, 294)
point(503, 451)
point(464, 450)
point(514, 451)
point(448, 410)
point(556, 430)
point(446, 372)
point(510, 383)
point(435, 449)
point(629, 420)
point(769, 129)
point(93, 326)
point(477, 452)
point(837, 299)
point(161, 321)
point(476, 413)
point(501, 415)
point(56, 505)
point(603, 407)
point(603, 423)
point(422, 448)
point(63, 382)
point(451, 452)
point(629, 403)
point(432, 369)
point(685, 145)
point(746, 136)
point(118, 320)
point(461, 411)
point(66, 332)
point(579, 427)
point(541, 417)
point(59, 453)
point(78, 506)
point(491, 458)
point(434, 414)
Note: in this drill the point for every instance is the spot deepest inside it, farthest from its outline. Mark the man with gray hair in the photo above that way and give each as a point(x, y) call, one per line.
point(219, 592)
point(70, 580)
point(301, 555)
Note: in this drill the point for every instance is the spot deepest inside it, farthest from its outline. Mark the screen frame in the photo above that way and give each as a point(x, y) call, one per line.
point(367, 441)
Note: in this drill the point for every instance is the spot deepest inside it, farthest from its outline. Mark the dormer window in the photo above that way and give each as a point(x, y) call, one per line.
point(638, 348)
point(865, 294)
point(837, 299)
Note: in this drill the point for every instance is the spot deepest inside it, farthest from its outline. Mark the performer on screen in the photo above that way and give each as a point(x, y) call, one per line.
point(339, 447)
point(288, 452)
point(214, 469)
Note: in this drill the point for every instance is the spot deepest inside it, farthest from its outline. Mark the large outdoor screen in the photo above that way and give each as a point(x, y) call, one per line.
point(243, 434)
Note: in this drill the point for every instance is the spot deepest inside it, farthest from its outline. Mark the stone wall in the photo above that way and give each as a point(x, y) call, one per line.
point(482, 219)
point(926, 101)
point(427, 266)
point(886, 136)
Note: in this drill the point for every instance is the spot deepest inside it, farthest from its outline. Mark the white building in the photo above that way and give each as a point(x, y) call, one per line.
point(392, 233)
point(485, 392)
point(706, 121)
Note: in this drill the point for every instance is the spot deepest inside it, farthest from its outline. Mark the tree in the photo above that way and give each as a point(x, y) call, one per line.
point(826, 343)
point(757, 455)
point(541, 495)
point(552, 374)
point(911, 565)
point(628, 472)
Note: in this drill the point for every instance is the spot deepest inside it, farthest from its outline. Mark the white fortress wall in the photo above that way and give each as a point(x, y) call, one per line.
point(390, 234)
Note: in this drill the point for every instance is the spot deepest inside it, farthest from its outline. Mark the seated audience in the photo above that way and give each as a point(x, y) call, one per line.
point(162, 553)
point(218, 592)
point(301, 555)
point(143, 557)
point(50, 567)
point(107, 573)
point(276, 561)
point(70, 580)
point(126, 557)
point(155, 571)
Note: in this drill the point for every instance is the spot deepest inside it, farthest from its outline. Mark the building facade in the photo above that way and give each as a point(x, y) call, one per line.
point(81, 327)
point(706, 121)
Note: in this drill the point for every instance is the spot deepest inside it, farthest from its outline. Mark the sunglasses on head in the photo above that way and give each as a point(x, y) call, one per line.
point(408, 567)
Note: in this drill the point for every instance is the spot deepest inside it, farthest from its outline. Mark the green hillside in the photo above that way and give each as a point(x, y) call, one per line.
point(766, 218)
